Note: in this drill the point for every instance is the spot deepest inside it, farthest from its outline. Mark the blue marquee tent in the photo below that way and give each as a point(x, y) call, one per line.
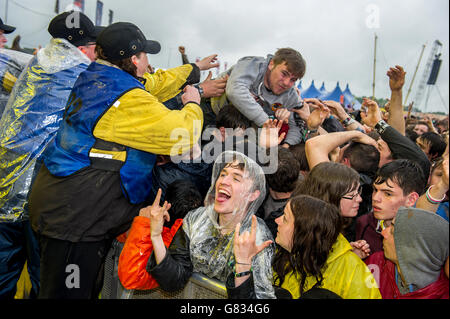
point(334, 95)
point(322, 89)
point(311, 92)
point(350, 99)
point(299, 86)
point(346, 97)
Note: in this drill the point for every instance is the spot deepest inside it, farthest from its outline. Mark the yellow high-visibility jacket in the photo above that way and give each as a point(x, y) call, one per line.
point(138, 113)
point(345, 274)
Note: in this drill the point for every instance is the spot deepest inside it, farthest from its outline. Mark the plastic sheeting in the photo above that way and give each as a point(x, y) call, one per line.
point(12, 64)
point(211, 250)
point(31, 119)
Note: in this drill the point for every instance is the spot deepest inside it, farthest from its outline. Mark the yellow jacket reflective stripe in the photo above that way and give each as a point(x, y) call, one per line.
point(8, 81)
point(140, 121)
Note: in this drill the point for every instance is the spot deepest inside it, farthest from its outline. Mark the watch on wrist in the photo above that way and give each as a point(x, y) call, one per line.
point(381, 126)
point(200, 89)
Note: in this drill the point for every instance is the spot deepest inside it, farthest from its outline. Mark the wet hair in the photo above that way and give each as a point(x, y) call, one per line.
point(285, 178)
point(436, 142)
point(329, 181)
point(183, 196)
point(408, 175)
point(374, 135)
point(125, 64)
point(317, 225)
point(230, 117)
point(299, 153)
point(363, 158)
point(294, 61)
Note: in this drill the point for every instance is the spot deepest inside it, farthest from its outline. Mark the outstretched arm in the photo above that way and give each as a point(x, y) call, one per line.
point(208, 63)
point(338, 111)
point(157, 215)
point(318, 148)
point(431, 199)
point(396, 81)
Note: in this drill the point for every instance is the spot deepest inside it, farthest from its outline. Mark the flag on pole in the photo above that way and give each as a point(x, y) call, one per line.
point(99, 13)
point(79, 4)
point(111, 13)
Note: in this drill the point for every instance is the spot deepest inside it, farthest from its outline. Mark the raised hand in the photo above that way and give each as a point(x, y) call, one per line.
point(396, 77)
point(282, 115)
point(336, 109)
point(157, 215)
point(365, 139)
point(244, 245)
point(208, 63)
point(318, 116)
point(373, 113)
point(213, 88)
point(269, 135)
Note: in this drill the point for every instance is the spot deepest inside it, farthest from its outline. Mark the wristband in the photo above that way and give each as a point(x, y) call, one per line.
point(346, 121)
point(431, 199)
point(243, 263)
point(381, 126)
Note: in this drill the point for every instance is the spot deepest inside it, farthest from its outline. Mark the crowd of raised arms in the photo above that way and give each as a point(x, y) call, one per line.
point(237, 177)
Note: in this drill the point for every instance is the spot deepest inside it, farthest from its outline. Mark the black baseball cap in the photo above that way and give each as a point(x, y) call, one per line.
point(122, 40)
point(75, 27)
point(6, 28)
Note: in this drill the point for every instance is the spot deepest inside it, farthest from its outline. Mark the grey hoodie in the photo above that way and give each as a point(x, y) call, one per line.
point(421, 242)
point(246, 81)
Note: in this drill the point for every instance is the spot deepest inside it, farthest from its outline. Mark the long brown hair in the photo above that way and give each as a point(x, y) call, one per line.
point(317, 225)
point(329, 181)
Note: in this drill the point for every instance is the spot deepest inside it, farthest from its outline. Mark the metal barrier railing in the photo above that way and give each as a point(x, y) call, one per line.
point(198, 286)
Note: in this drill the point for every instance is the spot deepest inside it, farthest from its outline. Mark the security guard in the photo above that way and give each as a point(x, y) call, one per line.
point(98, 169)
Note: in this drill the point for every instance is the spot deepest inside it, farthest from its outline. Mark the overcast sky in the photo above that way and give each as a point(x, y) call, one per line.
point(336, 37)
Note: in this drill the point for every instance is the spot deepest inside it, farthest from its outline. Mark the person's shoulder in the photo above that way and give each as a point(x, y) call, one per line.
point(255, 59)
point(263, 230)
point(194, 214)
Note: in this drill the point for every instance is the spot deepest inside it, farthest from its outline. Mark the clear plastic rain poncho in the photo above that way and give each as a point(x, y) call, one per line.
point(31, 119)
point(210, 250)
point(12, 63)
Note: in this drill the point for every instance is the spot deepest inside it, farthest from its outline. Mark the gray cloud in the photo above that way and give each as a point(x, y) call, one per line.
point(332, 35)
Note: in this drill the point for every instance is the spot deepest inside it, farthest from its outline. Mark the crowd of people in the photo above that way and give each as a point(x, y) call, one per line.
point(237, 177)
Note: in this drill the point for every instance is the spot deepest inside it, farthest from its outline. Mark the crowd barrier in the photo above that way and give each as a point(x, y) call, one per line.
point(198, 286)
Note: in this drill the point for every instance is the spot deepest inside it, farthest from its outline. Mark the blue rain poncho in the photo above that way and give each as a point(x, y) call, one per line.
point(31, 119)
